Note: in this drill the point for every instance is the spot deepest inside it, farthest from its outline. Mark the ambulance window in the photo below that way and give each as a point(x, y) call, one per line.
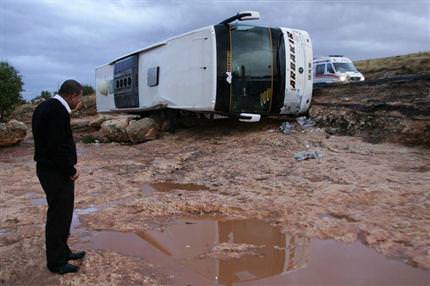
point(320, 69)
point(330, 68)
point(345, 67)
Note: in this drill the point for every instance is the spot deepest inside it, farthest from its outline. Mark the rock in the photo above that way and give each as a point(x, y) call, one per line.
point(12, 132)
point(80, 124)
point(115, 129)
point(23, 112)
point(97, 122)
point(88, 106)
point(142, 130)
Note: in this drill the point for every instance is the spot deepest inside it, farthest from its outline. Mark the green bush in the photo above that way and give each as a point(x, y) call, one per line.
point(45, 94)
point(10, 89)
point(87, 90)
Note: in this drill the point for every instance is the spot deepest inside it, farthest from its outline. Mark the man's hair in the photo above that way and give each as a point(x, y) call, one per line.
point(70, 87)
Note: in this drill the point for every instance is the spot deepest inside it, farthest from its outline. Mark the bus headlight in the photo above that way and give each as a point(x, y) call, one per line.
point(342, 77)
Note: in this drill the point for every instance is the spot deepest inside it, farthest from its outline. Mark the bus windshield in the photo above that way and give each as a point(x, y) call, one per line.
point(252, 61)
point(345, 67)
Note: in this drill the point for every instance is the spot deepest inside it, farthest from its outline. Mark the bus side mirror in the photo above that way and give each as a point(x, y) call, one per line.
point(242, 16)
point(248, 15)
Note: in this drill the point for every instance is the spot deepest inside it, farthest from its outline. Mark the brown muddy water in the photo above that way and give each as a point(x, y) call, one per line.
point(184, 249)
point(180, 248)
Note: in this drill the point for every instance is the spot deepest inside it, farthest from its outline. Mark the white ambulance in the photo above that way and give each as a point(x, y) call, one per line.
point(335, 68)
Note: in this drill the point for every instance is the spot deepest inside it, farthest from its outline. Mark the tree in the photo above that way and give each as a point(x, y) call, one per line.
point(10, 89)
point(45, 94)
point(87, 90)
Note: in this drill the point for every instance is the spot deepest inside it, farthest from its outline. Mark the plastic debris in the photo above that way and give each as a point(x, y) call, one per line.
point(306, 155)
point(286, 127)
point(305, 122)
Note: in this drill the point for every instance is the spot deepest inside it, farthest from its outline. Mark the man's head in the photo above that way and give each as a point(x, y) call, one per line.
point(71, 91)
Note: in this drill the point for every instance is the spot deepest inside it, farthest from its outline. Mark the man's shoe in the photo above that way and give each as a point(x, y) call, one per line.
point(66, 268)
point(76, 255)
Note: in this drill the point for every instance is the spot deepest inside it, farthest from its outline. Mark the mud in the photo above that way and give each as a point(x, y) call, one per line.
point(394, 110)
point(361, 206)
point(224, 252)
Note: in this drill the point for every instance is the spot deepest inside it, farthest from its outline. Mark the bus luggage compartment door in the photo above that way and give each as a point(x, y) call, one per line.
point(126, 94)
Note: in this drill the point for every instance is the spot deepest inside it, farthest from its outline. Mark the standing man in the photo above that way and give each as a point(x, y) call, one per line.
point(55, 156)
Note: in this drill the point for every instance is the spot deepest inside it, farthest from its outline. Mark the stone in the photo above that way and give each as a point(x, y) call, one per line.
point(142, 130)
point(23, 112)
point(97, 122)
point(80, 124)
point(12, 132)
point(115, 129)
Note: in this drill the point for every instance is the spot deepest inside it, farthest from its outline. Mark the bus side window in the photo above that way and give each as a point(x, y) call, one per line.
point(320, 69)
point(152, 76)
point(330, 68)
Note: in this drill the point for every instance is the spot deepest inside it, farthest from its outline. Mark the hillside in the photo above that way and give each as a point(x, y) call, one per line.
point(392, 66)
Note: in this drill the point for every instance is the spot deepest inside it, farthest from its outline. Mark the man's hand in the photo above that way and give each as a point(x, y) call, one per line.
point(75, 176)
point(78, 106)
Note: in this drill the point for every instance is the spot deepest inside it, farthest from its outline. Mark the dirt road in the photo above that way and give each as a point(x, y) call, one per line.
point(142, 211)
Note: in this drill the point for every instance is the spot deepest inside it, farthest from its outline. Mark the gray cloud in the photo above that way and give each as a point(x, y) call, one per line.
point(50, 41)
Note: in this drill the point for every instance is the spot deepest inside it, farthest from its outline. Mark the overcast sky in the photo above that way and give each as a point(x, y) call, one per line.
point(50, 41)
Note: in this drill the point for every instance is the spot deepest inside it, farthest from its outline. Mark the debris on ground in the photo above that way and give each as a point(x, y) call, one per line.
point(305, 122)
point(306, 155)
point(286, 127)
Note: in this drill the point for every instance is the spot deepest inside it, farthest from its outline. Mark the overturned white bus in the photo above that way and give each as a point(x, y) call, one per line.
point(229, 69)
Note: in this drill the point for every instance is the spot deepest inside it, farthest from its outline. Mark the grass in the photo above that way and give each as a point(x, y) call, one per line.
point(88, 139)
point(397, 65)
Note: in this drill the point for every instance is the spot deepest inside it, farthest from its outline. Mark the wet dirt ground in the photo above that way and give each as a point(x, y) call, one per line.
point(227, 204)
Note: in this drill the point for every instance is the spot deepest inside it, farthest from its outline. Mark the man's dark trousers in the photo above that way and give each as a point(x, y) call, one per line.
point(60, 194)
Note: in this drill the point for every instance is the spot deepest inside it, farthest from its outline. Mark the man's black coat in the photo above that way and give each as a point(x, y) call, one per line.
point(55, 148)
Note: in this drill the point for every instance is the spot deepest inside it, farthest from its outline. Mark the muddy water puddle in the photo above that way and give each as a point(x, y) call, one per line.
point(187, 248)
point(38, 202)
point(77, 212)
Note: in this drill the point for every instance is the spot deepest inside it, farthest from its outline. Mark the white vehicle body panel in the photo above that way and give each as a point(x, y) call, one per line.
point(329, 74)
point(186, 82)
point(298, 89)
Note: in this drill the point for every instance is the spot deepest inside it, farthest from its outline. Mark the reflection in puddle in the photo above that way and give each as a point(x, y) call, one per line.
point(78, 212)
point(39, 202)
point(4, 231)
point(35, 198)
point(167, 187)
point(183, 242)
